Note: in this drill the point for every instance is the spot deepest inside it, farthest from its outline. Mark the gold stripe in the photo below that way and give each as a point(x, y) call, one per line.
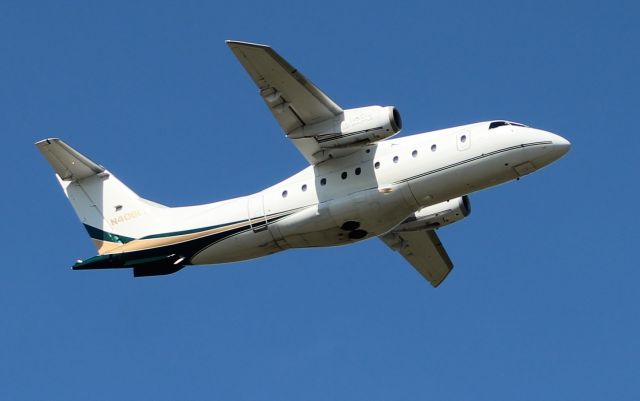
point(105, 246)
point(143, 244)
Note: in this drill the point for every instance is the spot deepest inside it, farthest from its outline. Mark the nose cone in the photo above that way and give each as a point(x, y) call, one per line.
point(559, 146)
point(547, 147)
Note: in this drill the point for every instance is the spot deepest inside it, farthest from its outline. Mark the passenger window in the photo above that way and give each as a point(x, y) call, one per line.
point(304, 187)
point(414, 153)
point(395, 159)
point(433, 147)
point(323, 182)
point(463, 138)
point(358, 171)
point(343, 175)
point(284, 194)
point(377, 165)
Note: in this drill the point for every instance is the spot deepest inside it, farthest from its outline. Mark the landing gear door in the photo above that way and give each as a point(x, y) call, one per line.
point(255, 208)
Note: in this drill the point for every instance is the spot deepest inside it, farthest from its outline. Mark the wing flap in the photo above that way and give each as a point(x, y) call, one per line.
point(424, 251)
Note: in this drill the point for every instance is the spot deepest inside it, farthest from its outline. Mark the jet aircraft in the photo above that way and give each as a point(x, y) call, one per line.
point(359, 184)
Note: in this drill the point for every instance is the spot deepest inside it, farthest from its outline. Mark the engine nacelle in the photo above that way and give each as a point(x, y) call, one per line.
point(354, 126)
point(438, 215)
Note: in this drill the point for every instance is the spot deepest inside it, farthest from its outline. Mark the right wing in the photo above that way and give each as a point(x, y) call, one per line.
point(293, 100)
point(424, 251)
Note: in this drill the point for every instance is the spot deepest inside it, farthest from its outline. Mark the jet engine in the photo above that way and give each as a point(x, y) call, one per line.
point(354, 126)
point(438, 215)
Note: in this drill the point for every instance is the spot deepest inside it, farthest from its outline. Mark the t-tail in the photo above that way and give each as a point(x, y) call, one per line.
point(111, 212)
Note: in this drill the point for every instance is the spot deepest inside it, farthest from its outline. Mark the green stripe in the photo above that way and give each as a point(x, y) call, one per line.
point(148, 257)
point(98, 234)
point(101, 235)
point(194, 230)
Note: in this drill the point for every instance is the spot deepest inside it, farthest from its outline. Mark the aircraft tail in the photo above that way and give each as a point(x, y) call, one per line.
point(111, 212)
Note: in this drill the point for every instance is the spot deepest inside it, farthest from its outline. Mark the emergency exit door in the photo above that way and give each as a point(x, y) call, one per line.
point(257, 219)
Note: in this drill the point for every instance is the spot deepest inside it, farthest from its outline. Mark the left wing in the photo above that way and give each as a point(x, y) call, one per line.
point(424, 251)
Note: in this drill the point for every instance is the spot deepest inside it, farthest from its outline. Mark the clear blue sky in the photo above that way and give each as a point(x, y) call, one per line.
point(542, 304)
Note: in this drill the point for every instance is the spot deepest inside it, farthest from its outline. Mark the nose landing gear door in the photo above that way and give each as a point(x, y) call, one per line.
point(463, 140)
point(255, 209)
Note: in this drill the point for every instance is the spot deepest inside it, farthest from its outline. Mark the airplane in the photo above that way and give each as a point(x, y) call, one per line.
point(359, 184)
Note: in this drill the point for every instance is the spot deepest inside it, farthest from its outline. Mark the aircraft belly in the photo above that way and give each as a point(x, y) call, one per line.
point(344, 220)
point(242, 246)
point(339, 221)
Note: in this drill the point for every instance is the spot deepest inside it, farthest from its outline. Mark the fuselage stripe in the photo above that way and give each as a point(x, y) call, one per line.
point(484, 155)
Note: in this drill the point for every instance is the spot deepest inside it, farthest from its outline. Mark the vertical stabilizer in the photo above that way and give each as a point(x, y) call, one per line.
point(111, 212)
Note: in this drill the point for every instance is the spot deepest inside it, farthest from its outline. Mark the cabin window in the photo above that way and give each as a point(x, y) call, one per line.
point(433, 147)
point(395, 159)
point(304, 187)
point(414, 153)
point(377, 165)
point(284, 194)
point(343, 175)
point(358, 171)
point(323, 181)
point(463, 138)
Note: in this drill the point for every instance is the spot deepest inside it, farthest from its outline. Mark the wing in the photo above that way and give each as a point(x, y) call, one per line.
point(294, 101)
point(424, 251)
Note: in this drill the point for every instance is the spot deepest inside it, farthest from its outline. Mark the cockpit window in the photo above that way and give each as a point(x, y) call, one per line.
point(496, 124)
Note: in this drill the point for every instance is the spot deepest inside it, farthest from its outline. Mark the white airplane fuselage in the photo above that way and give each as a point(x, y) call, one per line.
point(377, 188)
point(361, 182)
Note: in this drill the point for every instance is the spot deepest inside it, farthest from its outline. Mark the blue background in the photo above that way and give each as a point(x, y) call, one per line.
point(542, 305)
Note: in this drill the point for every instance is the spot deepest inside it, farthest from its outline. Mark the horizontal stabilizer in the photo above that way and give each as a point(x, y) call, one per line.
point(68, 163)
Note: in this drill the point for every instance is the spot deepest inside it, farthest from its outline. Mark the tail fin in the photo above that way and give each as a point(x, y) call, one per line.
point(111, 212)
